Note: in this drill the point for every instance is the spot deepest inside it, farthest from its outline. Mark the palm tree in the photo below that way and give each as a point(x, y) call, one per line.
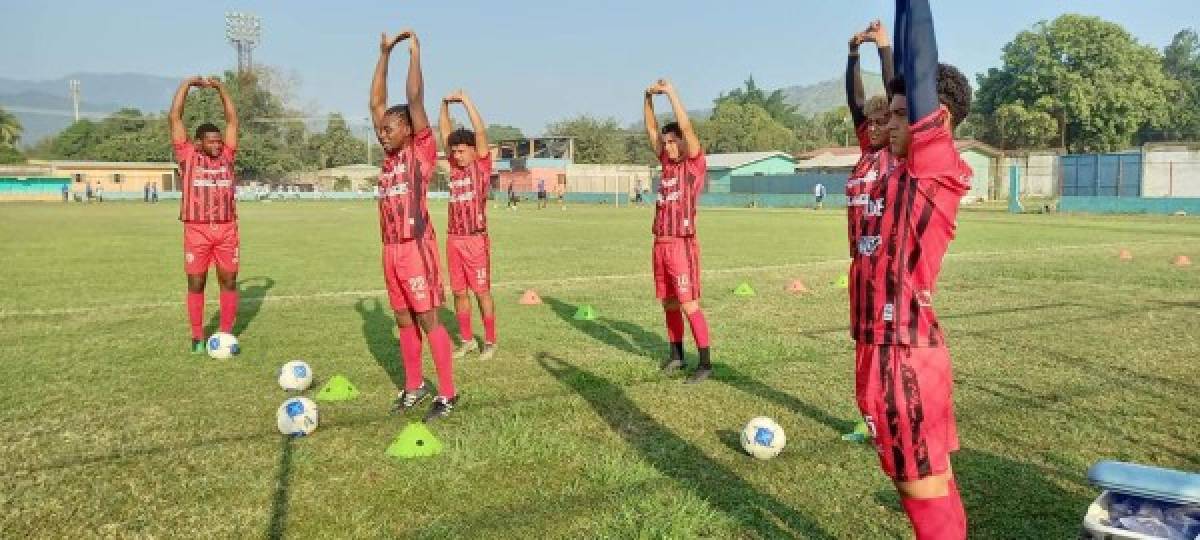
point(10, 129)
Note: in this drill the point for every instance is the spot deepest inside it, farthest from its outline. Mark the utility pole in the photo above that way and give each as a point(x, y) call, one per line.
point(75, 96)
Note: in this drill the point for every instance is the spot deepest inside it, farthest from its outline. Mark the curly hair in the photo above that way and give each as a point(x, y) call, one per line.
point(954, 91)
point(877, 103)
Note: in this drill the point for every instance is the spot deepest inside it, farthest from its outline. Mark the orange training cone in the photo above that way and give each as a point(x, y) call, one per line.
point(530, 298)
point(1182, 260)
point(1125, 255)
point(798, 287)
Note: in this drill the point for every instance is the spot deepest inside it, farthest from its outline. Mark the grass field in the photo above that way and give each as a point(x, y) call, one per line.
point(108, 427)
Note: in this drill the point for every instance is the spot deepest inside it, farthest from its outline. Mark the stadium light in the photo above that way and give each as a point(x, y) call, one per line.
point(244, 31)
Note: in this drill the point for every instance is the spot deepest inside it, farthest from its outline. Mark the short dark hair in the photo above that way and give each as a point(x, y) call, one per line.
point(954, 91)
point(461, 136)
point(673, 128)
point(205, 128)
point(399, 110)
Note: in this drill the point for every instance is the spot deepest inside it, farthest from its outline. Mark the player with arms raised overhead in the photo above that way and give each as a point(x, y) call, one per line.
point(410, 254)
point(903, 380)
point(676, 258)
point(468, 249)
point(207, 210)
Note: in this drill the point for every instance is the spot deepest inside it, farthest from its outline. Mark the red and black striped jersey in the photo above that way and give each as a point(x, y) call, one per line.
point(678, 191)
point(873, 166)
point(403, 183)
point(902, 238)
point(208, 184)
point(469, 188)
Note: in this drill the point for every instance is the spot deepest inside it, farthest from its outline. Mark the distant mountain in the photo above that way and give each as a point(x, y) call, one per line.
point(827, 95)
point(44, 107)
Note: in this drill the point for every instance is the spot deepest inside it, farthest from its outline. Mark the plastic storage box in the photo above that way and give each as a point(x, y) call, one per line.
point(1164, 485)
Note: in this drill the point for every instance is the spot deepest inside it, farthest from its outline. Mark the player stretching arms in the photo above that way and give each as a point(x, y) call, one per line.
point(468, 249)
point(676, 252)
point(410, 255)
point(903, 379)
point(208, 212)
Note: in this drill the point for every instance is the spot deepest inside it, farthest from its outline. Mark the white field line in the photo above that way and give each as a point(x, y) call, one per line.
point(556, 281)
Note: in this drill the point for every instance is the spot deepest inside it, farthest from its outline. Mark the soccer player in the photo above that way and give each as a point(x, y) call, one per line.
point(903, 381)
point(468, 249)
point(676, 258)
point(410, 254)
point(870, 118)
point(541, 191)
point(207, 210)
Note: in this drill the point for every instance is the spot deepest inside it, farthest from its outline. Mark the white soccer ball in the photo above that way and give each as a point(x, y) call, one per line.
point(295, 376)
point(763, 438)
point(222, 345)
point(297, 416)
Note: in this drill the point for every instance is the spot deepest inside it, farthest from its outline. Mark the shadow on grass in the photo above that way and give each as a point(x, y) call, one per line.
point(252, 292)
point(682, 461)
point(279, 501)
point(1009, 499)
point(814, 333)
point(623, 335)
point(726, 374)
point(378, 331)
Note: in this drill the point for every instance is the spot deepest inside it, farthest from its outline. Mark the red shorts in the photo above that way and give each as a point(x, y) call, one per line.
point(469, 262)
point(905, 395)
point(413, 278)
point(677, 268)
point(204, 243)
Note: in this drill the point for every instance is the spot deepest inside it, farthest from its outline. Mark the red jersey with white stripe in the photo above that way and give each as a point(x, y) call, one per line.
point(873, 165)
point(468, 196)
point(903, 237)
point(208, 184)
point(680, 187)
point(403, 182)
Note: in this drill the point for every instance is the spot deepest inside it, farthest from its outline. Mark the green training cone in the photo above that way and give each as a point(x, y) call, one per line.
point(744, 289)
point(415, 440)
point(843, 282)
point(585, 313)
point(339, 388)
point(860, 433)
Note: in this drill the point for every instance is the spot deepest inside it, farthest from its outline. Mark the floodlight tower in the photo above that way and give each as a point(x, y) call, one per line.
point(243, 30)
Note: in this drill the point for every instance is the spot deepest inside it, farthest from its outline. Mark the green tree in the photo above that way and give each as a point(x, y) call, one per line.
point(10, 156)
point(341, 183)
point(1017, 127)
point(744, 128)
point(773, 103)
point(597, 140)
point(1181, 61)
point(501, 132)
point(10, 129)
point(1092, 76)
point(337, 146)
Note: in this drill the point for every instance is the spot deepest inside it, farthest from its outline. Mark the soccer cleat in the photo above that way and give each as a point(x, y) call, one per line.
point(466, 347)
point(409, 399)
point(489, 351)
point(699, 376)
point(672, 366)
point(441, 408)
point(198, 346)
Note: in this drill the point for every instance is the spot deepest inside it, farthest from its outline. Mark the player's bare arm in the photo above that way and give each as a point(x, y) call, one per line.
point(379, 94)
point(231, 118)
point(681, 116)
point(415, 86)
point(651, 120)
point(175, 116)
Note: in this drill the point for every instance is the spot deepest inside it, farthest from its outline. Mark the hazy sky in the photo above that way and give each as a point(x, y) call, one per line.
point(526, 62)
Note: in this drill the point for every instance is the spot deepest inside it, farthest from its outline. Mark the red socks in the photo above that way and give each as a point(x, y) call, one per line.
point(439, 344)
point(464, 327)
point(410, 354)
point(195, 308)
point(229, 306)
point(489, 330)
point(942, 518)
point(674, 325)
point(699, 328)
